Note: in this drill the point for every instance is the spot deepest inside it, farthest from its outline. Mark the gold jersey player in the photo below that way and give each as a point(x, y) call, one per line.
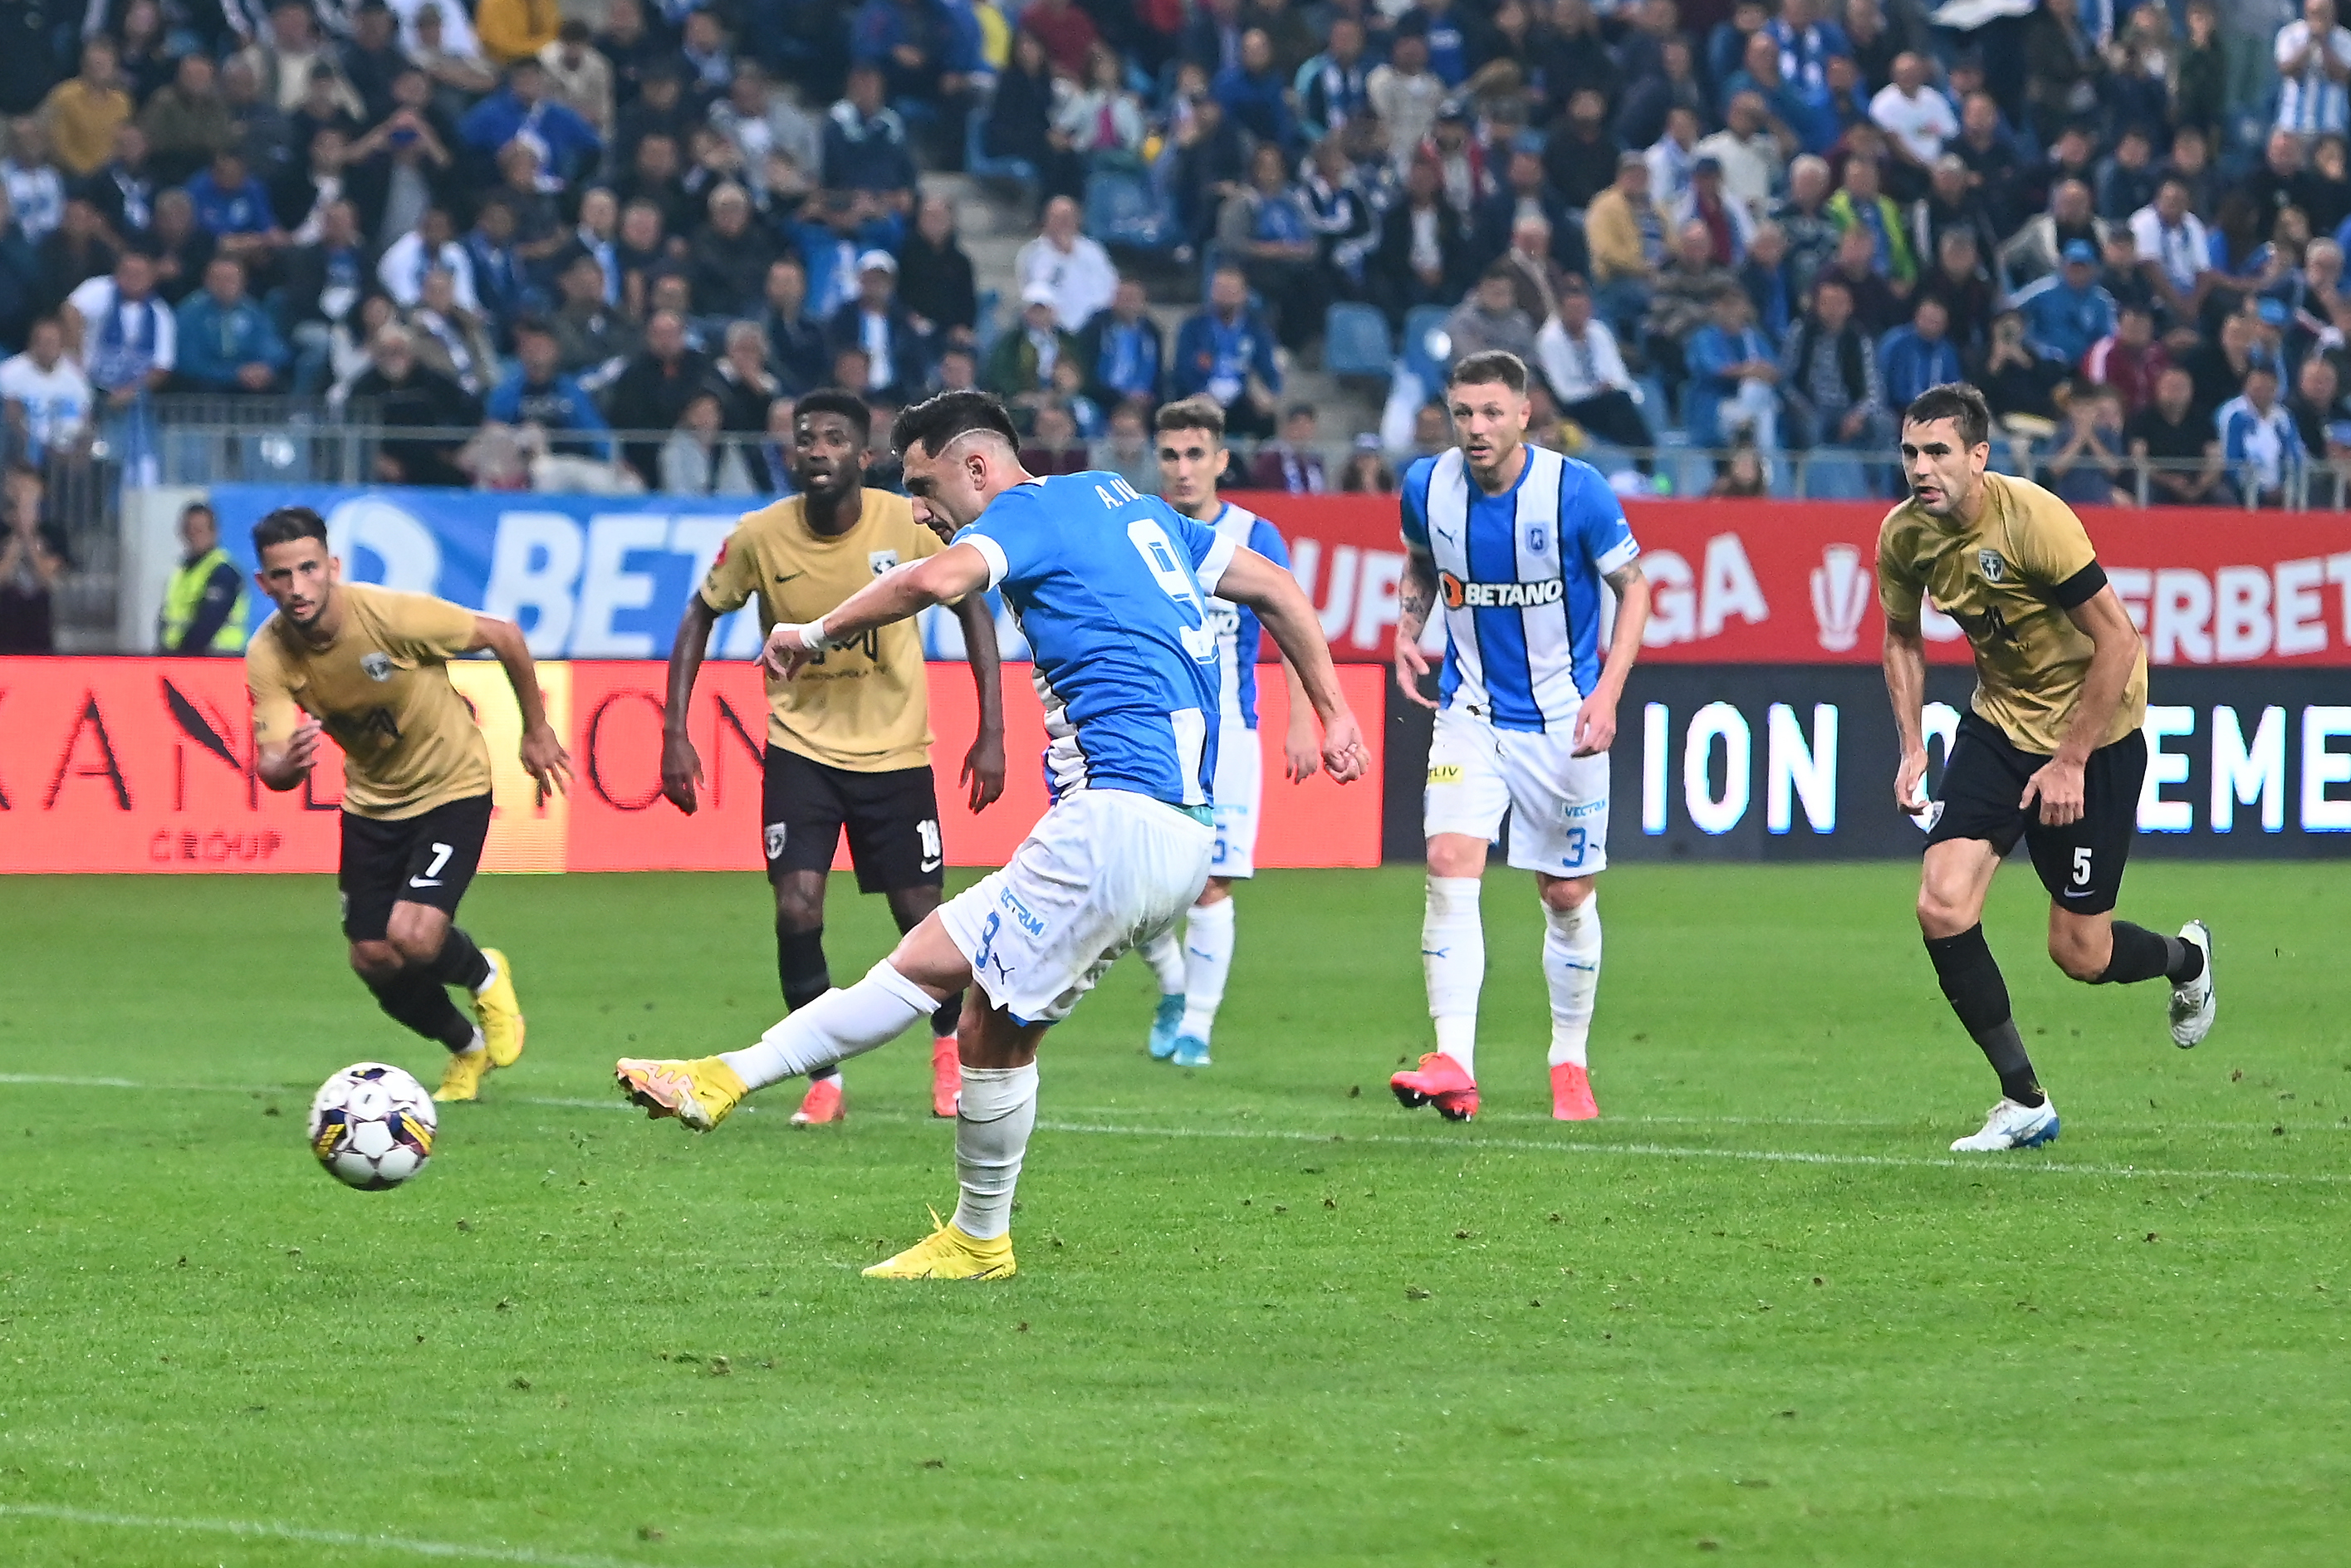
point(368, 666)
point(2052, 752)
point(848, 742)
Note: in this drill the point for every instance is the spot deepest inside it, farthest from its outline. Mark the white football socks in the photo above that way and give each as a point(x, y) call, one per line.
point(838, 1025)
point(1453, 960)
point(1164, 954)
point(1207, 960)
point(484, 989)
point(1570, 959)
point(993, 1122)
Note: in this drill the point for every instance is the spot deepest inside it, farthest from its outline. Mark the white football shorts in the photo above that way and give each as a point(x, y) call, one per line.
point(1101, 871)
point(1558, 802)
point(1238, 786)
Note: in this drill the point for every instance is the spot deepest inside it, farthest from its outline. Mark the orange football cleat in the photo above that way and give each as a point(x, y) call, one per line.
point(821, 1104)
point(946, 1077)
point(1570, 1095)
point(1439, 1080)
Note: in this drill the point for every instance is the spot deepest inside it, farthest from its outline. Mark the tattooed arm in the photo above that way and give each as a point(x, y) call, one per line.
point(1416, 599)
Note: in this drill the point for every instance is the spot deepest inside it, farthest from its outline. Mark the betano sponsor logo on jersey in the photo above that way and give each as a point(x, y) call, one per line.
point(1460, 595)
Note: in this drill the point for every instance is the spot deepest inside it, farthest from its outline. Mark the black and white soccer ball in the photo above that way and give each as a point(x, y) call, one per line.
point(371, 1126)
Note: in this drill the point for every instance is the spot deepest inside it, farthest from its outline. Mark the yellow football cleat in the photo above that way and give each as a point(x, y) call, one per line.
point(499, 1012)
point(698, 1094)
point(948, 1254)
point(462, 1078)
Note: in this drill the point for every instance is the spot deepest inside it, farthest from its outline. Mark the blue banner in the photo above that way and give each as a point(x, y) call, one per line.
point(586, 577)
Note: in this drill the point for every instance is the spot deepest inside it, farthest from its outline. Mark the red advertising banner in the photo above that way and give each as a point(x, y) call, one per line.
point(147, 765)
point(1783, 583)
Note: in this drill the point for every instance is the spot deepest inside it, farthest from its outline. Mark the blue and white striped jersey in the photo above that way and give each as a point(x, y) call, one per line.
point(1519, 576)
point(1238, 635)
point(1110, 589)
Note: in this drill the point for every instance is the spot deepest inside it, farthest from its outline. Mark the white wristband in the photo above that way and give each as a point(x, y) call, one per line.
point(811, 633)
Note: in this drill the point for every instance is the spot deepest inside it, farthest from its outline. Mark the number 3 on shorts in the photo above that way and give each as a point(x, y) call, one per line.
point(2080, 868)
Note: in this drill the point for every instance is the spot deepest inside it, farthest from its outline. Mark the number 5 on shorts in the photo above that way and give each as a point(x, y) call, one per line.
point(2080, 868)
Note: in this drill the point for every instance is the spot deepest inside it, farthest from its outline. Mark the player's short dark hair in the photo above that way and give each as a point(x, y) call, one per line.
point(286, 525)
point(1198, 412)
point(1957, 402)
point(1487, 368)
point(935, 421)
point(834, 400)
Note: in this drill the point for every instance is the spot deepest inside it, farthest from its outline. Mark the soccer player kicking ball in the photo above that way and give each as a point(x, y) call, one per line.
point(369, 666)
point(2052, 752)
point(849, 743)
point(1110, 588)
point(1192, 968)
point(1515, 540)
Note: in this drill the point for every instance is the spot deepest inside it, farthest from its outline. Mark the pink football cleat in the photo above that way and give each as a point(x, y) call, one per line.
point(1439, 1080)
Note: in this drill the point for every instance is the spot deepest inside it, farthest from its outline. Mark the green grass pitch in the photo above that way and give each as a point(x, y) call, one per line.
point(1757, 1314)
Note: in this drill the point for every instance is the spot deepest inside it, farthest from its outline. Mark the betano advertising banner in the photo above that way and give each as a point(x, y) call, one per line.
point(1764, 582)
point(147, 765)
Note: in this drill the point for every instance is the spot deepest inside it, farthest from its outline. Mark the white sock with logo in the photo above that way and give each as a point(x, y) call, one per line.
point(841, 1023)
point(993, 1122)
point(1207, 960)
point(1164, 954)
point(1453, 960)
point(1570, 959)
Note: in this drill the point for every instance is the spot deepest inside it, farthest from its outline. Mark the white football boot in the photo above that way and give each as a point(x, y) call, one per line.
point(2192, 1002)
point(2012, 1126)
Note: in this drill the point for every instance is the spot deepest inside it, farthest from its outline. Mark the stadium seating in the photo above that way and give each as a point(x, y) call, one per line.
point(1355, 341)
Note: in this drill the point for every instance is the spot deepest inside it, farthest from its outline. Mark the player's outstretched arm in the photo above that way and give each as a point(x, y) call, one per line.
point(1595, 720)
point(909, 590)
point(543, 752)
point(2058, 783)
point(983, 765)
point(1905, 657)
point(1302, 751)
point(283, 767)
point(681, 764)
point(1416, 601)
point(1281, 606)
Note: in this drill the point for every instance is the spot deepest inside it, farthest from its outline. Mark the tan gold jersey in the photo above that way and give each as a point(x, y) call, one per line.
point(865, 707)
point(2000, 580)
point(381, 688)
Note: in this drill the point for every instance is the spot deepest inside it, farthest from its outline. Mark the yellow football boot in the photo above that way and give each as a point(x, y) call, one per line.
point(499, 1012)
point(699, 1093)
point(947, 1253)
point(462, 1078)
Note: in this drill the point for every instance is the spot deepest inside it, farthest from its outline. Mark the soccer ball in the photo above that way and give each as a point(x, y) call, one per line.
point(371, 1126)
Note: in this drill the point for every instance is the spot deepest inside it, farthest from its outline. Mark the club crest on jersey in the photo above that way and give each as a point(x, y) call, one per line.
point(1538, 537)
point(1460, 595)
point(882, 561)
point(1994, 569)
point(377, 665)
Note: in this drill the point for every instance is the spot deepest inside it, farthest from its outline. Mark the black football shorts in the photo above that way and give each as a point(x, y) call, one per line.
point(428, 859)
point(2081, 864)
point(893, 820)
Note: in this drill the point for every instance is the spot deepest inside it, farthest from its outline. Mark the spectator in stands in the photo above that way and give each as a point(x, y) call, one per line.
point(2033, 251)
point(935, 277)
point(1874, 304)
point(1127, 452)
point(730, 255)
point(1067, 32)
point(1580, 156)
point(1101, 116)
point(233, 208)
point(1367, 471)
point(431, 243)
point(1073, 265)
point(324, 107)
point(1265, 229)
point(1750, 154)
point(44, 398)
point(1053, 446)
point(180, 249)
point(2014, 378)
point(2128, 360)
point(1335, 84)
point(1683, 301)
point(187, 121)
point(709, 60)
point(124, 190)
point(1226, 351)
point(1253, 90)
point(579, 78)
point(261, 129)
point(1801, 111)
point(203, 603)
point(2313, 62)
point(1405, 94)
point(1951, 201)
point(401, 167)
point(76, 249)
point(441, 45)
point(148, 57)
point(1673, 158)
point(1422, 254)
point(2174, 250)
point(1652, 97)
point(2258, 438)
point(1913, 357)
point(82, 112)
point(1734, 379)
point(1959, 281)
point(1578, 356)
point(30, 566)
point(1292, 465)
point(539, 393)
point(299, 194)
point(796, 344)
point(2087, 466)
point(697, 459)
point(923, 52)
point(404, 395)
point(641, 248)
point(1123, 354)
point(1490, 319)
point(371, 58)
point(449, 337)
point(897, 355)
point(2318, 418)
point(22, 289)
point(593, 340)
point(655, 179)
point(1211, 39)
point(865, 145)
point(1728, 229)
point(512, 31)
point(1830, 382)
point(1020, 366)
point(1019, 124)
point(572, 146)
point(1765, 275)
point(1627, 243)
point(2063, 65)
point(745, 385)
point(125, 338)
point(1812, 231)
point(1862, 206)
point(765, 126)
point(2170, 431)
point(227, 344)
point(1210, 159)
point(1918, 121)
point(2126, 178)
point(2064, 314)
point(501, 281)
point(653, 392)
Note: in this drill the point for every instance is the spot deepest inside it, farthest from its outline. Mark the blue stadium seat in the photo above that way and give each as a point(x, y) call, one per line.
point(980, 167)
point(1355, 341)
point(1122, 210)
point(1429, 366)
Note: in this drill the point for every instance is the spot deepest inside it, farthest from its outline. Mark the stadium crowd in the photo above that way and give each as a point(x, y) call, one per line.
point(1759, 229)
